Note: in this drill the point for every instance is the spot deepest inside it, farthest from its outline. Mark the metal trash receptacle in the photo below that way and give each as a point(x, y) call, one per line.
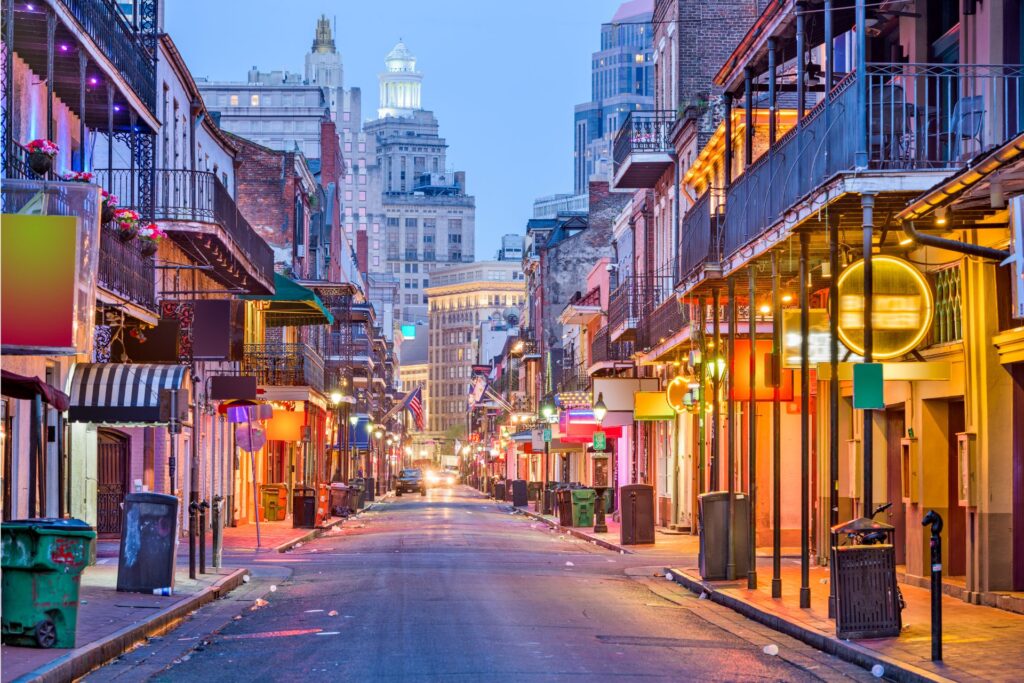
point(42, 563)
point(636, 507)
point(533, 490)
point(369, 489)
point(303, 507)
point(499, 490)
point(712, 520)
point(519, 497)
point(148, 543)
point(867, 598)
point(563, 497)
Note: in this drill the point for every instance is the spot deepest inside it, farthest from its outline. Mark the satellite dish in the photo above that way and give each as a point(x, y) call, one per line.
point(250, 438)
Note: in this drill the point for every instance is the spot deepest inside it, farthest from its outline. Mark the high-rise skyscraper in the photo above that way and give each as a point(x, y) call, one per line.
point(430, 221)
point(622, 80)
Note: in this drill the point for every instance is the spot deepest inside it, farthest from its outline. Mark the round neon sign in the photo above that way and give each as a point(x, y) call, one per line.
point(902, 307)
point(675, 394)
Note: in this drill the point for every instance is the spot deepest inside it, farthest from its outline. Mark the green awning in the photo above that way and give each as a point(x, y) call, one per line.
point(292, 305)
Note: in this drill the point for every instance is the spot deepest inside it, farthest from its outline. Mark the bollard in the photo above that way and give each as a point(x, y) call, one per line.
point(193, 522)
point(935, 544)
point(218, 530)
point(203, 507)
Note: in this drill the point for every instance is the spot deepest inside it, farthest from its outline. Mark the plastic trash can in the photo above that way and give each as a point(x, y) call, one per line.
point(563, 497)
point(42, 565)
point(533, 490)
point(340, 505)
point(358, 494)
point(518, 487)
point(712, 518)
point(148, 543)
point(583, 501)
point(275, 502)
point(499, 490)
point(303, 507)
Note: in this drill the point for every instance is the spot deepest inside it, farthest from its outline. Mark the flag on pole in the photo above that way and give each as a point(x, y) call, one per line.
point(414, 402)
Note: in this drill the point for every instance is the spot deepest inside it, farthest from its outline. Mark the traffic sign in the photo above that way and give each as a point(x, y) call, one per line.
point(547, 435)
point(600, 443)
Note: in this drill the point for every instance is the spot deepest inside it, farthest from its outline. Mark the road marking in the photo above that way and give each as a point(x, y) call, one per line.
point(272, 634)
point(311, 611)
point(329, 633)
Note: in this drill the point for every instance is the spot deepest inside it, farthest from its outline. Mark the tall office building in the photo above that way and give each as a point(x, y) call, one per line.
point(429, 220)
point(622, 80)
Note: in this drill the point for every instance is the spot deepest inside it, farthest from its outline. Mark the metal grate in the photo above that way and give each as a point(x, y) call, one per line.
point(867, 604)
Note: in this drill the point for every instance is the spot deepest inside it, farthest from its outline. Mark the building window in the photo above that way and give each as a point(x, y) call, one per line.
point(254, 101)
point(362, 195)
point(234, 100)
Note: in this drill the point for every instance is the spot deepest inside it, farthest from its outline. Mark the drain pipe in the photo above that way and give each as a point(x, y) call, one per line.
point(954, 245)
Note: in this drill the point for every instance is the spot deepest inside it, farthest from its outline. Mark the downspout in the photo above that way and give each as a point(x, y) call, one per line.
point(954, 245)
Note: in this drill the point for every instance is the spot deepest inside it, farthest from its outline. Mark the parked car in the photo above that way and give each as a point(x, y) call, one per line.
point(442, 478)
point(410, 481)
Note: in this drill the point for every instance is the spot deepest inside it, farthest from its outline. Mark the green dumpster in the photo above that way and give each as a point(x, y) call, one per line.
point(42, 565)
point(583, 507)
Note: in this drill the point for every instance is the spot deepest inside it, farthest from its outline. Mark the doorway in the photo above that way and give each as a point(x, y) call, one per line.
point(111, 484)
point(956, 522)
point(895, 430)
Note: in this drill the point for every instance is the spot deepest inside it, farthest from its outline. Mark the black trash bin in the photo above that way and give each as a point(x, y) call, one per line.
point(370, 490)
point(519, 498)
point(303, 507)
point(712, 520)
point(533, 490)
point(637, 511)
point(563, 496)
point(357, 495)
point(867, 598)
point(499, 490)
point(148, 543)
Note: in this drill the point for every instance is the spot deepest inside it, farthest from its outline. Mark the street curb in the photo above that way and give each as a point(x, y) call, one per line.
point(313, 534)
point(895, 669)
point(576, 532)
point(82, 660)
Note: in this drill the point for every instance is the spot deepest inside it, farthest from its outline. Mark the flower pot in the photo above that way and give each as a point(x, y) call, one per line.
point(127, 234)
point(106, 214)
point(148, 247)
point(40, 163)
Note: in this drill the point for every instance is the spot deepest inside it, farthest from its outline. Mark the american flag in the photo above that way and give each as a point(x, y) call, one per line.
point(414, 402)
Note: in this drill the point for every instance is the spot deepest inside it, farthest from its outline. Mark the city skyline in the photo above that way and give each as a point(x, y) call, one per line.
point(501, 177)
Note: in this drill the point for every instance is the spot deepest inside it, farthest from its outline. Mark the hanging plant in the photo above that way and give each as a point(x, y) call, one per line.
point(150, 236)
point(77, 177)
point(108, 207)
point(40, 155)
point(127, 222)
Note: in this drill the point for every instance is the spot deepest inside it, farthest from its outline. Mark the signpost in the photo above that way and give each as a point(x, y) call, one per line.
point(600, 443)
point(547, 435)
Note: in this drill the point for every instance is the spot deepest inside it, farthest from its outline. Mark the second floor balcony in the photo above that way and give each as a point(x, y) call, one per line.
point(605, 354)
point(643, 150)
point(200, 215)
point(284, 365)
point(125, 272)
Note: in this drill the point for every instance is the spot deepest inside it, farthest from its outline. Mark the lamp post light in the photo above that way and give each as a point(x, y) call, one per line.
point(340, 425)
point(547, 410)
point(600, 477)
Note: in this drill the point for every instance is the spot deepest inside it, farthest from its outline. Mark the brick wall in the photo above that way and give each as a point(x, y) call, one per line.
point(332, 173)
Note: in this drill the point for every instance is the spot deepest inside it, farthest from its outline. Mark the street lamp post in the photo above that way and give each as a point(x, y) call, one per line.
point(600, 469)
point(546, 411)
point(339, 425)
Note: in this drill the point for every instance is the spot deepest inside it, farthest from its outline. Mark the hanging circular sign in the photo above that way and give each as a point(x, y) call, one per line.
point(250, 438)
point(676, 392)
point(901, 307)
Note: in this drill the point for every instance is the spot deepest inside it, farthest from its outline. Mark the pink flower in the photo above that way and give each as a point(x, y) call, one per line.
point(152, 232)
point(77, 177)
point(108, 199)
point(126, 219)
point(43, 146)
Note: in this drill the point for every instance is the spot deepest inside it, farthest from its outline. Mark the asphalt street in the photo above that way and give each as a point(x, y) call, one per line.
point(454, 587)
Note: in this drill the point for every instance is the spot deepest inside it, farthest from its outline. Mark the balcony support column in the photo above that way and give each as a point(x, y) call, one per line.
point(776, 429)
point(703, 414)
point(132, 141)
point(727, 103)
point(716, 383)
point(83, 62)
point(772, 92)
point(730, 418)
point(748, 114)
point(830, 56)
point(51, 31)
point(801, 68)
point(861, 41)
point(752, 431)
point(8, 132)
point(833, 387)
point(805, 425)
point(110, 134)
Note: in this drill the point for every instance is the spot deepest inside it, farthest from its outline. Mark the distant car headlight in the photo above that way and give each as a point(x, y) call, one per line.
point(432, 478)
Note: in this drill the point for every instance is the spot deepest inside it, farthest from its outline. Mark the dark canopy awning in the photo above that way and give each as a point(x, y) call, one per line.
point(123, 393)
point(292, 305)
point(26, 388)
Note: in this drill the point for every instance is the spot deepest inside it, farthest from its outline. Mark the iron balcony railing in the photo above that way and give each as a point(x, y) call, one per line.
point(701, 239)
point(631, 303)
point(125, 47)
point(919, 117)
point(287, 365)
point(643, 132)
point(124, 271)
point(186, 195)
point(665, 320)
point(573, 378)
point(604, 350)
point(16, 166)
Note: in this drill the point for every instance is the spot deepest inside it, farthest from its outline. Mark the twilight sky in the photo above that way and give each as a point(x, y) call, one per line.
point(502, 77)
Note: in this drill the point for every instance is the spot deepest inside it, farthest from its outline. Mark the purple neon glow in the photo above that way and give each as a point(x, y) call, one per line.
point(117, 107)
point(93, 80)
point(63, 48)
point(30, 8)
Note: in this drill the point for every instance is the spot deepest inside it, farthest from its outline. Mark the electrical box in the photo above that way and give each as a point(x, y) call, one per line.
point(908, 470)
point(854, 469)
point(967, 473)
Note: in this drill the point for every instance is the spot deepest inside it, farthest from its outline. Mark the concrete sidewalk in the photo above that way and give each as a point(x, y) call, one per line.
point(111, 623)
point(979, 643)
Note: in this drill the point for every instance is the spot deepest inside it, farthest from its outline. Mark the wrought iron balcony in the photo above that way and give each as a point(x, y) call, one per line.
point(700, 247)
point(920, 117)
point(604, 352)
point(198, 213)
point(284, 365)
point(125, 272)
point(665, 321)
point(348, 349)
point(642, 150)
point(573, 378)
point(582, 310)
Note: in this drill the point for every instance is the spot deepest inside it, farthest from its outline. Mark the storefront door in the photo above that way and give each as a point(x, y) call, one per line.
point(896, 426)
point(112, 466)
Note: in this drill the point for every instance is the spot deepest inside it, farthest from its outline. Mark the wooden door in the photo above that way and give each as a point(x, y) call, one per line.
point(111, 487)
point(1017, 371)
point(895, 430)
point(956, 524)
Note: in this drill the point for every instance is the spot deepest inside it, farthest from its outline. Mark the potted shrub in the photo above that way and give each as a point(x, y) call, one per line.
point(150, 235)
point(109, 206)
point(127, 222)
point(40, 155)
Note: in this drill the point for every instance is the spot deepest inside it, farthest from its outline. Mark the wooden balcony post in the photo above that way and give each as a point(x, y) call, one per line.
point(772, 94)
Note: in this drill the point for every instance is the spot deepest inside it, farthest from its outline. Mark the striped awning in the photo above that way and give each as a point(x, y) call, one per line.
point(123, 393)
